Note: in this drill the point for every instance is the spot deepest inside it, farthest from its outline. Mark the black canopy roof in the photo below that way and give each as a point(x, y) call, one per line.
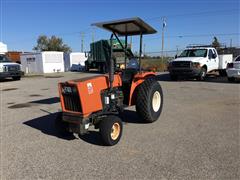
point(130, 27)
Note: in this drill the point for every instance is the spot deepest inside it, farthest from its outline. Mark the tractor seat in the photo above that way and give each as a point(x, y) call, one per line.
point(128, 74)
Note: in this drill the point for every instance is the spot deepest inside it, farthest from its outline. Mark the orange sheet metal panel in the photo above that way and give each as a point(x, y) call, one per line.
point(90, 92)
point(137, 80)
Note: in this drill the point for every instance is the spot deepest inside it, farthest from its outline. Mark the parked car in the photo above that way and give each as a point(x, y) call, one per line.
point(197, 61)
point(233, 70)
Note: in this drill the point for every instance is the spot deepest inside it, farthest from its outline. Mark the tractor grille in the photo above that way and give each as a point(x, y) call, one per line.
point(181, 64)
point(71, 98)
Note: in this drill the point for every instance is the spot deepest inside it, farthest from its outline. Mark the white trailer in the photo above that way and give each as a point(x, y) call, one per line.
point(42, 62)
point(75, 61)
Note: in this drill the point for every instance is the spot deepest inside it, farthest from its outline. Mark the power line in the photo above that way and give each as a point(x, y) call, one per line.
point(117, 2)
point(194, 14)
point(195, 35)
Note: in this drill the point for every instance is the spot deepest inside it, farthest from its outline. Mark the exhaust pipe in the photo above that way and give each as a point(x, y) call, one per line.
point(111, 65)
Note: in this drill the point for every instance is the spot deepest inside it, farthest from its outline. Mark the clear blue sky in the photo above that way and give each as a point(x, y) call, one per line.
point(188, 21)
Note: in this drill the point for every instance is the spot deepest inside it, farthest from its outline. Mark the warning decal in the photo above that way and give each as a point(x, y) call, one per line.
point(90, 88)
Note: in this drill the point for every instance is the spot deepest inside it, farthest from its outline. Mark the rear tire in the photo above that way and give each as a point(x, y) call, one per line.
point(222, 72)
point(149, 100)
point(16, 78)
point(111, 130)
point(231, 79)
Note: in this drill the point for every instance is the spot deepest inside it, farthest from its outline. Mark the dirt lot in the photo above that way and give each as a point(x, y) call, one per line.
point(197, 136)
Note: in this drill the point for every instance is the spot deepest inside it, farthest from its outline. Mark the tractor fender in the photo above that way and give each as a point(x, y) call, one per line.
point(138, 79)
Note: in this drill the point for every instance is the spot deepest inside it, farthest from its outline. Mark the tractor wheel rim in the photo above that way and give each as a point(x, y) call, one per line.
point(115, 131)
point(156, 101)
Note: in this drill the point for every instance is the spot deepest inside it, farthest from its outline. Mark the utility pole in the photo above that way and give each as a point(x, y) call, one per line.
point(177, 50)
point(230, 42)
point(144, 47)
point(163, 27)
point(93, 34)
point(82, 41)
point(131, 42)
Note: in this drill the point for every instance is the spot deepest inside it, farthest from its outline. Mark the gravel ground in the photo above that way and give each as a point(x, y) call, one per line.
point(196, 137)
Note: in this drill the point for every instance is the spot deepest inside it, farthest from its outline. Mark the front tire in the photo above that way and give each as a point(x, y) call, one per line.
point(149, 100)
point(202, 75)
point(111, 130)
point(231, 79)
point(16, 78)
point(173, 77)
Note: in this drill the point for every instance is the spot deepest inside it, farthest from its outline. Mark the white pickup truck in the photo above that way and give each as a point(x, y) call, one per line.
point(196, 62)
point(7, 67)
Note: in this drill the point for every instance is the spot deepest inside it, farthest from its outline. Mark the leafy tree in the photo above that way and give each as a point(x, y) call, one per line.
point(51, 44)
point(216, 43)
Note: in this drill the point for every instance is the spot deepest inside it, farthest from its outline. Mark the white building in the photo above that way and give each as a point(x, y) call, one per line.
point(3, 48)
point(75, 61)
point(42, 62)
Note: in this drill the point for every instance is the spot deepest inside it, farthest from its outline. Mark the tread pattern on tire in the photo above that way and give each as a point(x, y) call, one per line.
point(105, 129)
point(142, 104)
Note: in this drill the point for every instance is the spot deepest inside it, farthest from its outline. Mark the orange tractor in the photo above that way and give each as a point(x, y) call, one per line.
point(100, 100)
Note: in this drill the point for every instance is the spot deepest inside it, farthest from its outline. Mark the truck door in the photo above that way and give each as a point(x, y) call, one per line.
point(216, 59)
point(212, 60)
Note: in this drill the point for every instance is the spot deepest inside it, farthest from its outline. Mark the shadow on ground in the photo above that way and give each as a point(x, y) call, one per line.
point(130, 116)
point(51, 100)
point(45, 124)
point(6, 80)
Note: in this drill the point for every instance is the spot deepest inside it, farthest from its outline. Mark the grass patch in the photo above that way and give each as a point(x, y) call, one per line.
point(155, 64)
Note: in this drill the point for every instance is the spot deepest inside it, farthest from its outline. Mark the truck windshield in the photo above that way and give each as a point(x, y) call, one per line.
point(194, 53)
point(3, 58)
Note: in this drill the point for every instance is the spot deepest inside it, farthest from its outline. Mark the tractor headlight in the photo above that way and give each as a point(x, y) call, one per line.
point(196, 65)
point(1, 68)
point(106, 100)
point(112, 96)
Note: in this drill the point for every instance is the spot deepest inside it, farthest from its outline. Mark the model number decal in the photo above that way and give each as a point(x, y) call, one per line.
point(90, 88)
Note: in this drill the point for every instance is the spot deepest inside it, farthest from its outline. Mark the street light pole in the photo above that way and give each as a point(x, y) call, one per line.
point(163, 27)
point(82, 41)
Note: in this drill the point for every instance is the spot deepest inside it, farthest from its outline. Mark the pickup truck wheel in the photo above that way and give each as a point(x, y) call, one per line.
point(86, 68)
point(203, 74)
point(222, 72)
point(111, 130)
point(16, 78)
point(173, 77)
point(60, 126)
point(149, 100)
point(231, 79)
